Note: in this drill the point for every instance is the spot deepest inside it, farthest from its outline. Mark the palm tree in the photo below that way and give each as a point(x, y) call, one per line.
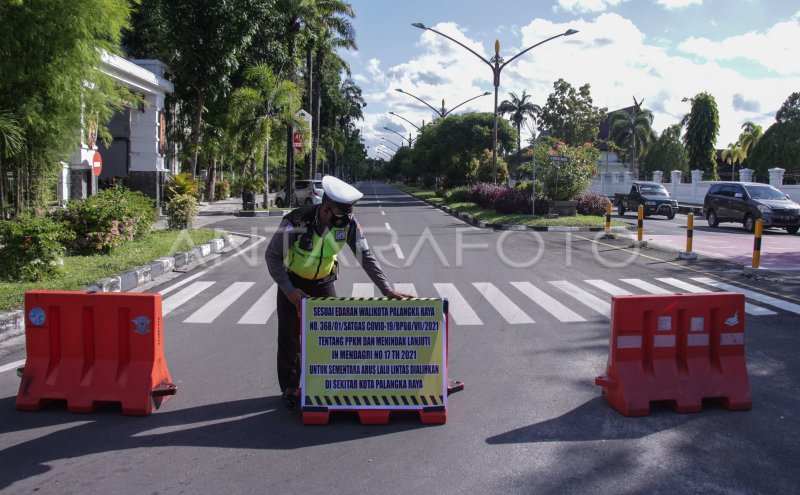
point(628, 128)
point(256, 107)
point(734, 154)
point(519, 109)
point(750, 135)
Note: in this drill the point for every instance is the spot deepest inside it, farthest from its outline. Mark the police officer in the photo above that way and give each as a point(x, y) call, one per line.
point(301, 258)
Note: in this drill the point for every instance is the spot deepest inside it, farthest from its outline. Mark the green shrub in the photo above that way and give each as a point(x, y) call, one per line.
point(182, 184)
point(222, 190)
point(104, 221)
point(457, 194)
point(31, 248)
point(181, 211)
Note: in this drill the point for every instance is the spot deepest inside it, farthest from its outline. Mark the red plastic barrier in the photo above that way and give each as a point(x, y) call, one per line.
point(89, 349)
point(679, 348)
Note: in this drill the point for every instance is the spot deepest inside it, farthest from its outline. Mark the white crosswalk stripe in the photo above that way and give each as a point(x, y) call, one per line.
point(507, 309)
point(173, 302)
point(363, 290)
point(213, 308)
point(460, 310)
point(646, 286)
point(548, 303)
point(590, 300)
point(749, 308)
point(259, 313)
point(772, 301)
point(406, 289)
point(561, 304)
point(608, 287)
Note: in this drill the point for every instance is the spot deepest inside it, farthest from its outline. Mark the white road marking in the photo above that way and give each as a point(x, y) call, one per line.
point(772, 301)
point(548, 303)
point(459, 308)
point(181, 297)
point(12, 366)
point(646, 286)
point(398, 251)
point(594, 302)
point(363, 290)
point(608, 287)
point(750, 309)
point(213, 308)
point(260, 312)
point(388, 227)
point(406, 289)
point(505, 306)
point(383, 212)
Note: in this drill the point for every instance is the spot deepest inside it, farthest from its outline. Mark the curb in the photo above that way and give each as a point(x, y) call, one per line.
point(522, 228)
point(12, 323)
point(260, 213)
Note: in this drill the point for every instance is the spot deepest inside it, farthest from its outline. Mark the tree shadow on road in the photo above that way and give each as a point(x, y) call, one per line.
point(256, 423)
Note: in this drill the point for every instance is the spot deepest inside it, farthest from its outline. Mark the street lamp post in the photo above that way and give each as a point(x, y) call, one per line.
point(497, 64)
point(401, 136)
point(401, 117)
point(390, 141)
point(441, 112)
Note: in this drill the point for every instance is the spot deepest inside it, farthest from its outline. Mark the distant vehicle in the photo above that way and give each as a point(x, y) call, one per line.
point(652, 195)
point(306, 192)
point(747, 202)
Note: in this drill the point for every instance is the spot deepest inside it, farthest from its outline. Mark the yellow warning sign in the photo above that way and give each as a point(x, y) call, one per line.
point(374, 353)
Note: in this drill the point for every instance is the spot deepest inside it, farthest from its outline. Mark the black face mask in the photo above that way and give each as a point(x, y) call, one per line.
point(340, 221)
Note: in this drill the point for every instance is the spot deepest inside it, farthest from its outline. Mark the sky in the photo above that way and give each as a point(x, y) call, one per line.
point(746, 53)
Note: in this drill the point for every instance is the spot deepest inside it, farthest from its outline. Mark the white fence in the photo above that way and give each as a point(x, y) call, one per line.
point(691, 193)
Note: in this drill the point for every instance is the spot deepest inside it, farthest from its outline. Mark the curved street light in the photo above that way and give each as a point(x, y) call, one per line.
point(401, 117)
point(441, 112)
point(388, 155)
point(496, 63)
point(389, 140)
point(410, 141)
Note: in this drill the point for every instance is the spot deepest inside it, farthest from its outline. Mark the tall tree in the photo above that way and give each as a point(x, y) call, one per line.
point(520, 109)
point(11, 142)
point(702, 128)
point(570, 115)
point(667, 152)
point(266, 101)
point(54, 86)
point(780, 145)
point(633, 131)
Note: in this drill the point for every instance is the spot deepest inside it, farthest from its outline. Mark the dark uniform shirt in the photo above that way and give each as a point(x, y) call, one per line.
point(295, 224)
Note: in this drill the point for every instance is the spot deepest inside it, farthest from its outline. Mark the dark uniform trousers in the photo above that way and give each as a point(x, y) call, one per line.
point(289, 328)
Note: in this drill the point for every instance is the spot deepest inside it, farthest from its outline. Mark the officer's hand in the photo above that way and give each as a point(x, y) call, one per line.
point(398, 295)
point(297, 299)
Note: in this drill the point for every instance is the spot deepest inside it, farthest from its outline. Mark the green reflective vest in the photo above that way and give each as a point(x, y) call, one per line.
point(318, 261)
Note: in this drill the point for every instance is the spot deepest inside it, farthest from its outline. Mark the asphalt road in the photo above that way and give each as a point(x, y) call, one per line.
point(530, 420)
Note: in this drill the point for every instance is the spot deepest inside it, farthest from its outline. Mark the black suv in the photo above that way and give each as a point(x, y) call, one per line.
point(747, 202)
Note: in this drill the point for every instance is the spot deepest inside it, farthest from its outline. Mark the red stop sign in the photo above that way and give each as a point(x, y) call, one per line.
point(298, 141)
point(97, 164)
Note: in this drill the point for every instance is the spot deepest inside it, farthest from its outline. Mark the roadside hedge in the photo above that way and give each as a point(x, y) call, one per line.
point(31, 248)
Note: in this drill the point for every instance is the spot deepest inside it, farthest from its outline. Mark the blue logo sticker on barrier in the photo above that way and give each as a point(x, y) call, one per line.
point(36, 316)
point(142, 325)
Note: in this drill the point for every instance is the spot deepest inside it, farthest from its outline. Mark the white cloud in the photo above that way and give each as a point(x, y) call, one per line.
point(609, 52)
point(587, 5)
point(777, 49)
point(678, 4)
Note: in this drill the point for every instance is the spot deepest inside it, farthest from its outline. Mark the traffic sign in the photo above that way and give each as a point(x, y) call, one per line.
point(297, 140)
point(97, 164)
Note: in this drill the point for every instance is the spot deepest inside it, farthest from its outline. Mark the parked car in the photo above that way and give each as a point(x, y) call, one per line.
point(306, 192)
point(747, 202)
point(653, 196)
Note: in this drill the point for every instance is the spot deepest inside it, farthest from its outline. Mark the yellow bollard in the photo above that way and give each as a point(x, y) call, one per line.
point(608, 219)
point(688, 254)
point(757, 243)
point(640, 224)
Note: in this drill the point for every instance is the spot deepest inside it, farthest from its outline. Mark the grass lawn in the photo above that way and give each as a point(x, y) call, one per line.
point(491, 216)
point(82, 271)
